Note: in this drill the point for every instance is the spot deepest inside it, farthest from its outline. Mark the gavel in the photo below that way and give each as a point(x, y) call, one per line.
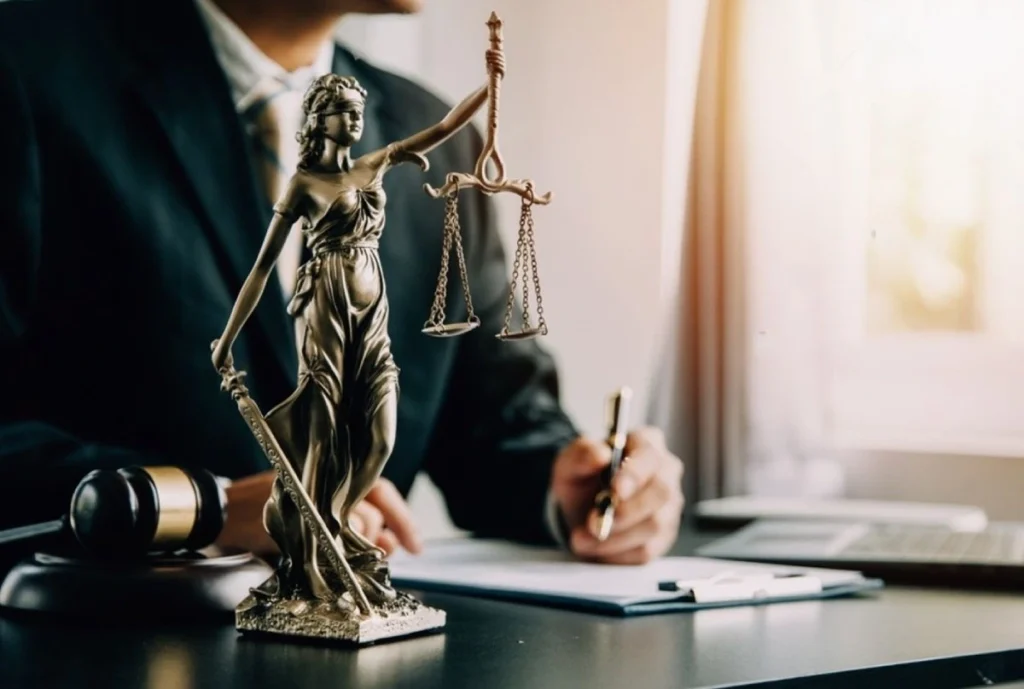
point(136, 511)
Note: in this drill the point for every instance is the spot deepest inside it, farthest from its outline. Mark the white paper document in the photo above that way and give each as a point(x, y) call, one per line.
point(546, 576)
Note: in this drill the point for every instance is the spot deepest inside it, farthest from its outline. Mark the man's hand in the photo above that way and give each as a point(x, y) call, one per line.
point(383, 518)
point(649, 493)
point(243, 527)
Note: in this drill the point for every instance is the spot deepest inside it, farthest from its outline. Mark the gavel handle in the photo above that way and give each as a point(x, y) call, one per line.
point(25, 533)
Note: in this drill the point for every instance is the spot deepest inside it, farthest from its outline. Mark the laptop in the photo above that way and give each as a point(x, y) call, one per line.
point(899, 553)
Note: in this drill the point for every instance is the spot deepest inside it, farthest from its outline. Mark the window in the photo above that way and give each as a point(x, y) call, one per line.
point(884, 197)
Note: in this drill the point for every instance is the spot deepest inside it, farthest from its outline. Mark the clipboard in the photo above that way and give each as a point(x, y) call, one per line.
point(552, 577)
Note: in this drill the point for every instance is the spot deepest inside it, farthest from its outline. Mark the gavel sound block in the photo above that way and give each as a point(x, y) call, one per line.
point(136, 543)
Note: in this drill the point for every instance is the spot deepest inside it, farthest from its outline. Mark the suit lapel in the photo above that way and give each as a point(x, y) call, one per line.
point(181, 82)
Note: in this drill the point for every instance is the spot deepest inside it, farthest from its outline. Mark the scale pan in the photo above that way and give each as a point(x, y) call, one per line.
point(450, 329)
point(528, 334)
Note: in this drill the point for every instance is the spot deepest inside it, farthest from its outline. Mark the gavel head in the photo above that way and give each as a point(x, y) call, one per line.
point(135, 511)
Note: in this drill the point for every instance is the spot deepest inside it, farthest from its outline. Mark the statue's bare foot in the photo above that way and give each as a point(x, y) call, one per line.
point(377, 589)
point(296, 607)
point(345, 605)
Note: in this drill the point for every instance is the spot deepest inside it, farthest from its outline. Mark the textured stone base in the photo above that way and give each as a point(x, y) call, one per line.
point(319, 620)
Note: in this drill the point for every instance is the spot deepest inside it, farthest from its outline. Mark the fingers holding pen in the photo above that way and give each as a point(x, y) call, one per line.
point(641, 461)
point(645, 488)
point(652, 534)
point(637, 493)
point(649, 502)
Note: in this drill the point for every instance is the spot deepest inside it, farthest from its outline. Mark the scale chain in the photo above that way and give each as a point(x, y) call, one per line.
point(457, 235)
point(526, 269)
point(438, 308)
point(515, 279)
point(533, 266)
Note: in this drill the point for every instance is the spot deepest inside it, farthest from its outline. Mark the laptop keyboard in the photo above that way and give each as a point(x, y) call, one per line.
point(922, 544)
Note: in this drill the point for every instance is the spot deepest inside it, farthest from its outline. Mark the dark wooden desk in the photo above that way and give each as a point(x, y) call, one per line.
point(901, 637)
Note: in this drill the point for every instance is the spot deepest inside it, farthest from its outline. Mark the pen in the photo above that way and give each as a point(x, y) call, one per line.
point(605, 500)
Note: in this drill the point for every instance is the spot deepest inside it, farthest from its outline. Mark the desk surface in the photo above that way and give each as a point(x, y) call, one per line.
point(899, 637)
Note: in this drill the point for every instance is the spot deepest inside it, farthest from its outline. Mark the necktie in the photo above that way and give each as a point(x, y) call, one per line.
point(273, 115)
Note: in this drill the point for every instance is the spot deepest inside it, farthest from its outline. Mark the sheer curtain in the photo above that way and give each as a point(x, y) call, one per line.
point(699, 386)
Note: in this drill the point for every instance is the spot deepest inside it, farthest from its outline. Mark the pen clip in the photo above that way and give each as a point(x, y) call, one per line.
point(618, 419)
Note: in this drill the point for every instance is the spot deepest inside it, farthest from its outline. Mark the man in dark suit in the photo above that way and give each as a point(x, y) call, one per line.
point(130, 213)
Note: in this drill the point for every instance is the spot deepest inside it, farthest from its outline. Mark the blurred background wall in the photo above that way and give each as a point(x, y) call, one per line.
point(799, 219)
point(596, 106)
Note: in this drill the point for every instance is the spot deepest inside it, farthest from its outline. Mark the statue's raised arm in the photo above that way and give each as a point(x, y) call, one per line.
point(416, 147)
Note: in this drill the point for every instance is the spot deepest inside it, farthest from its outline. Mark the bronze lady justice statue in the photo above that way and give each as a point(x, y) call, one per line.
point(336, 430)
point(330, 439)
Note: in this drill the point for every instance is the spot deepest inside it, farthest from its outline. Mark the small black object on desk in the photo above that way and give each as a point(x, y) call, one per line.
point(136, 542)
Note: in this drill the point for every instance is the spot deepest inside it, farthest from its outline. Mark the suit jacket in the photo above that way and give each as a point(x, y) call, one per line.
point(130, 214)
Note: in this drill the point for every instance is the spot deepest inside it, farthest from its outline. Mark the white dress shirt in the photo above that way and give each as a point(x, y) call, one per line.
point(248, 71)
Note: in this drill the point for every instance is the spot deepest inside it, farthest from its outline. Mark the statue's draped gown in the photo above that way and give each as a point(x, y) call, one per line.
point(346, 370)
